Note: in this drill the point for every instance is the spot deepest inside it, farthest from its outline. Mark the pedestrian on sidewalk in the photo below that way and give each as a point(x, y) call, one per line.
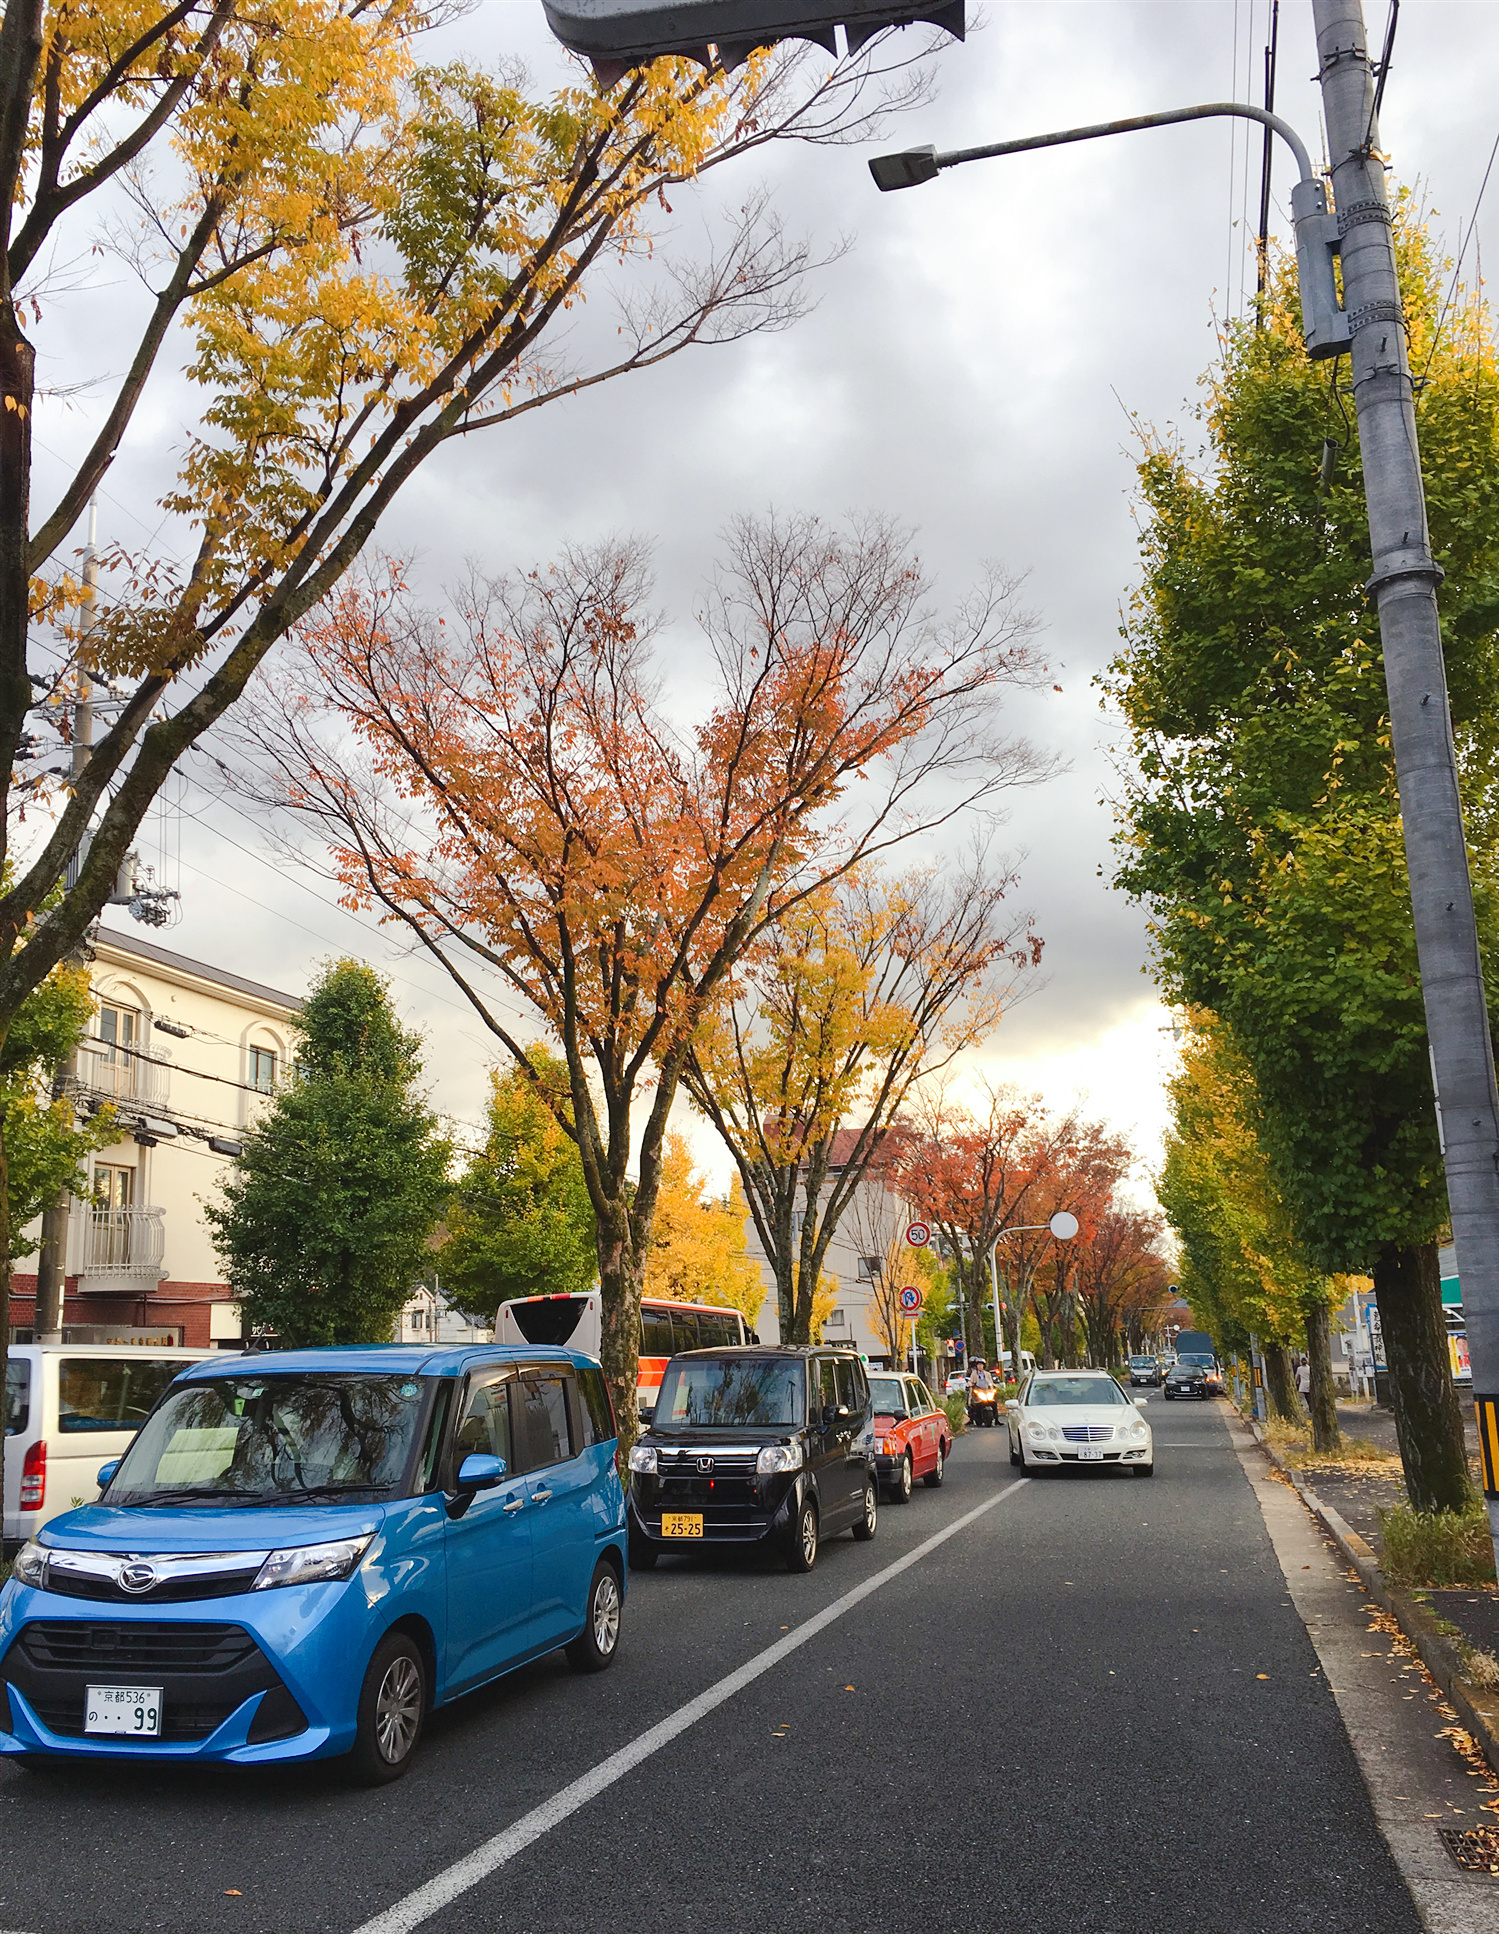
point(1304, 1381)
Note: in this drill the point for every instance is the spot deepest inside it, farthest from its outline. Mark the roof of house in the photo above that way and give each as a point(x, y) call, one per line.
point(131, 943)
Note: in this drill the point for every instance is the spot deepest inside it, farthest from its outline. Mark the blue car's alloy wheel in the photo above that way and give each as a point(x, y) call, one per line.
point(594, 1648)
point(392, 1707)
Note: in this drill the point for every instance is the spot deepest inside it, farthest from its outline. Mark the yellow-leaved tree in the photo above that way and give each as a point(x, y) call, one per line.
point(1243, 1270)
point(870, 987)
point(698, 1250)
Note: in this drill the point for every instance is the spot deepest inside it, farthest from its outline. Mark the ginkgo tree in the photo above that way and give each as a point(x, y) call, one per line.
point(506, 781)
point(826, 1029)
point(697, 1251)
point(348, 261)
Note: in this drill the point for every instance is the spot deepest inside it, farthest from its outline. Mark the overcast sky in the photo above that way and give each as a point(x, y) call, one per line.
point(971, 366)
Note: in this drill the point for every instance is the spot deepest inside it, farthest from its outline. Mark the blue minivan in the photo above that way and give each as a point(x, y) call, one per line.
point(303, 1552)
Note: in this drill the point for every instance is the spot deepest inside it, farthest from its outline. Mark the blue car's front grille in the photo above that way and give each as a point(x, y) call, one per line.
point(147, 1645)
point(64, 1583)
point(205, 1673)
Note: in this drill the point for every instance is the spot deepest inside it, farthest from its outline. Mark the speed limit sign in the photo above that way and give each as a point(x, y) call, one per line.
point(918, 1235)
point(909, 1299)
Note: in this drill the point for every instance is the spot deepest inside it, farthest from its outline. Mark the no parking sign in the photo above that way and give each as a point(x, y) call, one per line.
point(909, 1299)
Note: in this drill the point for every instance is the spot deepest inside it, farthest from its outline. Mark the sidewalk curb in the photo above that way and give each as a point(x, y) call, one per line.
point(1476, 1707)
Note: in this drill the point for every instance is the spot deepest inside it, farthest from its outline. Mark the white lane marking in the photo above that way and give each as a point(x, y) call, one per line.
point(478, 1865)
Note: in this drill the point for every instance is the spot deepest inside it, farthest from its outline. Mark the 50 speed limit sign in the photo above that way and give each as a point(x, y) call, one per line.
point(919, 1234)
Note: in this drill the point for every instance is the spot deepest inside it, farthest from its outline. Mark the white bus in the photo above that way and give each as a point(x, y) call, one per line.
point(665, 1328)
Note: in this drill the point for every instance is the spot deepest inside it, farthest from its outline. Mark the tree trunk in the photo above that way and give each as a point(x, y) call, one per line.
point(1325, 1433)
point(620, 1276)
point(973, 1335)
point(1428, 1418)
point(1279, 1382)
point(1014, 1302)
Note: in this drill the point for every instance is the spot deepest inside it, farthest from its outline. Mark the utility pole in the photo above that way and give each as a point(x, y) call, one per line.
point(52, 1256)
point(1403, 585)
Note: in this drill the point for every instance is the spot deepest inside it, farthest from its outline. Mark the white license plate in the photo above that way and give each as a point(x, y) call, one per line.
point(135, 1710)
point(1091, 1453)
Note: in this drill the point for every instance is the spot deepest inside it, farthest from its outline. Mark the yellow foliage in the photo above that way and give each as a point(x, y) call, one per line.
point(824, 1301)
point(698, 1250)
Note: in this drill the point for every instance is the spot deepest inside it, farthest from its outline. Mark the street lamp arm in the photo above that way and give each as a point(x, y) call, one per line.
point(1325, 326)
point(1210, 110)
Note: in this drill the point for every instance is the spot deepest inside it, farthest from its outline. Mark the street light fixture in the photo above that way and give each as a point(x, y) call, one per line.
point(1063, 1225)
point(1369, 325)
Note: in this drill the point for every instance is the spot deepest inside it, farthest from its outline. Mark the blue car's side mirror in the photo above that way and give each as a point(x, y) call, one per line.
point(107, 1471)
point(480, 1472)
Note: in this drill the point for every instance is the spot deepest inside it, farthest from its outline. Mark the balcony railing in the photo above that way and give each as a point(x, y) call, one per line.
point(127, 1244)
point(121, 1074)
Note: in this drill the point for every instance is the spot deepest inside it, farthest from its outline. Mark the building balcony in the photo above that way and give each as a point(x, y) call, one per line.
point(122, 1075)
point(122, 1248)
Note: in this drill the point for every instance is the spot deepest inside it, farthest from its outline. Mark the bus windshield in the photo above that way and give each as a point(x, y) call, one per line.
point(548, 1319)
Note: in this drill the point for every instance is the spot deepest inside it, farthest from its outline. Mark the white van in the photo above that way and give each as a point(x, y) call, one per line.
point(70, 1407)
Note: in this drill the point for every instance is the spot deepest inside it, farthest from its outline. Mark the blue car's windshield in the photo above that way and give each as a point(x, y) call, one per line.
point(261, 1438)
point(732, 1390)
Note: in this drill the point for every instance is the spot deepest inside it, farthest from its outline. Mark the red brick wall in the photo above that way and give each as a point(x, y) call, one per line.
point(184, 1304)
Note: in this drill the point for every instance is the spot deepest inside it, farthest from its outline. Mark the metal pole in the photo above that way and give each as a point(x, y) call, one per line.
point(999, 1335)
point(1404, 585)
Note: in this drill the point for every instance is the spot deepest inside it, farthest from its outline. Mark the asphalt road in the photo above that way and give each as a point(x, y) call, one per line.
point(1091, 1710)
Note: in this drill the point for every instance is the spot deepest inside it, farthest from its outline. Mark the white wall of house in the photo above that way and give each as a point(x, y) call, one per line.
point(184, 1052)
point(864, 1231)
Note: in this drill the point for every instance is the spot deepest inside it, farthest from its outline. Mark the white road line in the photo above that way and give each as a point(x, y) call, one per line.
point(478, 1865)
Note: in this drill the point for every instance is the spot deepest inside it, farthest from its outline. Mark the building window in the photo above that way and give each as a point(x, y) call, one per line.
point(263, 1069)
point(836, 1320)
point(114, 1188)
point(871, 1268)
point(117, 1031)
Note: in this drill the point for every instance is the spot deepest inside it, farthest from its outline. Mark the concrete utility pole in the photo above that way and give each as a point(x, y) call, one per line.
point(52, 1256)
point(1403, 585)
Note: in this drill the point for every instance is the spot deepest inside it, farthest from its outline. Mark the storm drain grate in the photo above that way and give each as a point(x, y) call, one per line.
point(1475, 1849)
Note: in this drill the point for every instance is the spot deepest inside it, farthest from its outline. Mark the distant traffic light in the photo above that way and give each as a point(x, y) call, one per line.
point(617, 35)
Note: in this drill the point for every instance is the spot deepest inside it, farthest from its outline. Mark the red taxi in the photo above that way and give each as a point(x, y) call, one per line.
point(912, 1434)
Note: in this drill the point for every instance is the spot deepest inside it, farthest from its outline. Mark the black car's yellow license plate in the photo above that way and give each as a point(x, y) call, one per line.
point(681, 1524)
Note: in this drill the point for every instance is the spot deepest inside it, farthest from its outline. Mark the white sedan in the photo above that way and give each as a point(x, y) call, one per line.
point(1078, 1417)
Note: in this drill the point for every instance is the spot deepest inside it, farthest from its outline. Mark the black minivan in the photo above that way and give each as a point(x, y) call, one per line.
point(755, 1446)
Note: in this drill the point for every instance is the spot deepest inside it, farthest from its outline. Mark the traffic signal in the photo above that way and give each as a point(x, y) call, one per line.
point(617, 35)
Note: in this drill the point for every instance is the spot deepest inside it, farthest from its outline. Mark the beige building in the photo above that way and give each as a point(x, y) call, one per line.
point(867, 1245)
point(186, 1054)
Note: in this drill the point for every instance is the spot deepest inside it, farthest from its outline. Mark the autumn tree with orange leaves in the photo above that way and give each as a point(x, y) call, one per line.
point(1119, 1275)
point(981, 1176)
point(506, 782)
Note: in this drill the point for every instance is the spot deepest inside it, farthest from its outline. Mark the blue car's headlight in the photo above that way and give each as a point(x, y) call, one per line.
point(30, 1567)
point(311, 1564)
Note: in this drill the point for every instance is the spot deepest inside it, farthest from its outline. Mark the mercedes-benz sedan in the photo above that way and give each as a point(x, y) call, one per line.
point(1063, 1418)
